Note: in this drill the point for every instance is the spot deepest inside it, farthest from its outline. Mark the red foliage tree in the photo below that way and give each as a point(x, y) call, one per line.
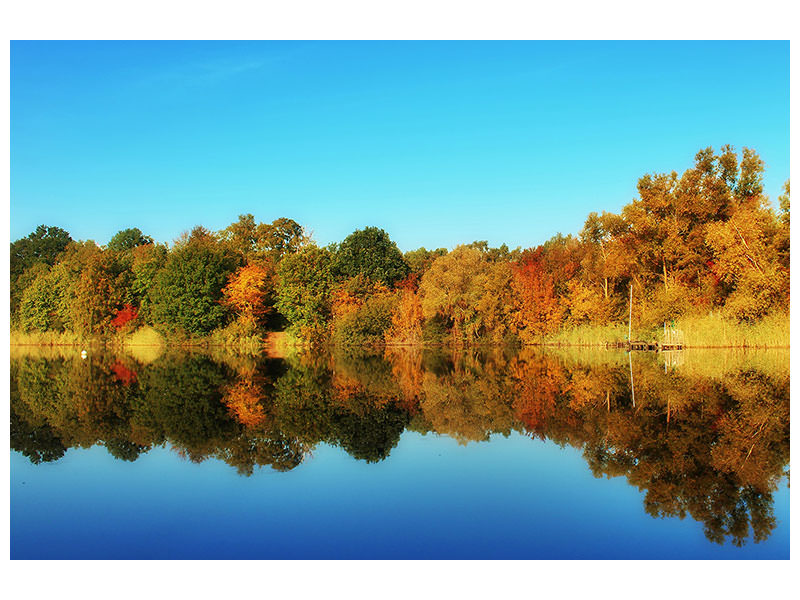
point(537, 308)
point(124, 316)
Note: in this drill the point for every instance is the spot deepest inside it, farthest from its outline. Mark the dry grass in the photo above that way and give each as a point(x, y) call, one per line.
point(48, 338)
point(714, 331)
point(587, 335)
point(708, 331)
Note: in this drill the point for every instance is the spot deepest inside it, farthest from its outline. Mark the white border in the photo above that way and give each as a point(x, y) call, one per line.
point(411, 19)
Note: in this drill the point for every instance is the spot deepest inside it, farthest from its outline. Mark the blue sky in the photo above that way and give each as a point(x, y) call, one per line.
point(438, 143)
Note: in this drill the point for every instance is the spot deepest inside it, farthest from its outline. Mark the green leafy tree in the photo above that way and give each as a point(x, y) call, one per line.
point(303, 291)
point(146, 262)
point(40, 247)
point(372, 253)
point(186, 294)
point(49, 302)
point(365, 325)
point(782, 237)
point(39, 305)
point(128, 239)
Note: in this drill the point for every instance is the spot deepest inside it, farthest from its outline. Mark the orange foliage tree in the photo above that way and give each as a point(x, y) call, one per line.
point(537, 308)
point(406, 320)
point(246, 292)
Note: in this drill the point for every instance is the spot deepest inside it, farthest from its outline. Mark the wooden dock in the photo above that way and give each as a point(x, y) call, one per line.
point(640, 345)
point(673, 340)
point(673, 337)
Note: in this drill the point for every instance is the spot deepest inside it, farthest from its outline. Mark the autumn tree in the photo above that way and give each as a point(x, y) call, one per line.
point(273, 240)
point(607, 258)
point(453, 289)
point(246, 292)
point(102, 288)
point(362, 312)
point(743, 259)
point(80, 293)
point(407, 317)
point(537, 309)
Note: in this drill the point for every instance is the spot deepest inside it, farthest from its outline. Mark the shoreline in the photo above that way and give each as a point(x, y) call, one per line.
point(603, 346)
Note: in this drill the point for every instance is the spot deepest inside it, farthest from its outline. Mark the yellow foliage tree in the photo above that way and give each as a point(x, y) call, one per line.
point(246, 292)
point(407, 319)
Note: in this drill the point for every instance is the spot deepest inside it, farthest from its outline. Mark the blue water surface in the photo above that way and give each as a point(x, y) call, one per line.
point(509, 498)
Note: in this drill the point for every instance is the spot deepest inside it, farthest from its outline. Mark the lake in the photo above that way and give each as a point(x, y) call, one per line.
point(487, 453)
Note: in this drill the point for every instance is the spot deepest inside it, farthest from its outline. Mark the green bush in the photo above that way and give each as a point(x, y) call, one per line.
point(366, 325)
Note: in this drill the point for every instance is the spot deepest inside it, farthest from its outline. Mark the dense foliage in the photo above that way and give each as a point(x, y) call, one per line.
point(705, 241)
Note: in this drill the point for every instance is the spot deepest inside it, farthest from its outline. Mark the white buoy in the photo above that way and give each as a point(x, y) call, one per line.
point(83, 354)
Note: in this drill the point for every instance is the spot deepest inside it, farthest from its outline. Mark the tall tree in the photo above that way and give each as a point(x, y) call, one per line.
point(187, 292)
point(42, 246)
point(537, 310)
point(273, 240)
point(303, 291)
point(453, 287)
point(128, 239)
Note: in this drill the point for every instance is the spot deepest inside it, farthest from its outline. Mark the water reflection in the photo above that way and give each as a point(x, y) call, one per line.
point(706, 436)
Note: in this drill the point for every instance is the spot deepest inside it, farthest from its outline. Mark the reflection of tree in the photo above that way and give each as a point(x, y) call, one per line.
point(696, 460)
point(125, 449)
point(243, 400)
point(253, 449)
point(465, 405)
point(711, 447)
point(37, 443)
point(181, 402)
point(317, 404)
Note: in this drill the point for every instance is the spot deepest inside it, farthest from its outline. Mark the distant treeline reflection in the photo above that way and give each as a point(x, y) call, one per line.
point(708, 438)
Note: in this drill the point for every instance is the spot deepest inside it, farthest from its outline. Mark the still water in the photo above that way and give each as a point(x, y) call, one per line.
point(493, 453)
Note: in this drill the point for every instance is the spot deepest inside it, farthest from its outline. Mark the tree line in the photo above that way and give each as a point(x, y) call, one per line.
point(707, 240)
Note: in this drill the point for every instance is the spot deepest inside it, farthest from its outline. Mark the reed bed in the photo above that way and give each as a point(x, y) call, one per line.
point(715, 331)
point(587, 335)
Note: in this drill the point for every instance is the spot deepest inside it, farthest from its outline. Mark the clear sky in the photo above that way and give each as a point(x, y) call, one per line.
point(438, 143)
